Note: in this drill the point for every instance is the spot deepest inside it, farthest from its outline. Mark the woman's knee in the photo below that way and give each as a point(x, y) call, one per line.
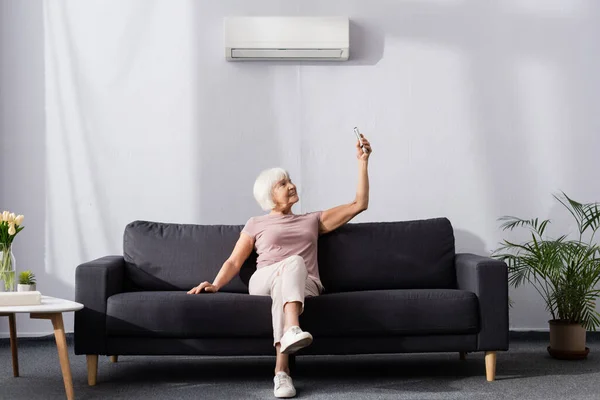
point(297, 262)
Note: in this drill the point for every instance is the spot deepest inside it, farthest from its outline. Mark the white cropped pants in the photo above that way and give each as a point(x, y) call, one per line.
point(285, 281)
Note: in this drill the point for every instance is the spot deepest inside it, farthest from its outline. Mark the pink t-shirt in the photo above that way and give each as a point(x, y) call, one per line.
point(277, 237)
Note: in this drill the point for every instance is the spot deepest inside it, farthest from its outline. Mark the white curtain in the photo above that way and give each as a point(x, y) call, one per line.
point(121, 131)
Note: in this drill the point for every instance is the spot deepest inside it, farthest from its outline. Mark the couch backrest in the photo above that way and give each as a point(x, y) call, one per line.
point(388, 255)
point(164, 256)
point(363, 256)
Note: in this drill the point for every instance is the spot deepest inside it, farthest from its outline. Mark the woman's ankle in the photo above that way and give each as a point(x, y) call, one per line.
point(286, 370)
point(286, 327)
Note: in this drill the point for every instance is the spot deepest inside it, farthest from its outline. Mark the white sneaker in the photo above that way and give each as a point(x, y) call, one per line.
point(294, 339)
point(284, 387)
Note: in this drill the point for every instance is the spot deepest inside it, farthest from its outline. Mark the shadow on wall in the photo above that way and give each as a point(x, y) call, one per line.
point(467, 242)
point(367, 42)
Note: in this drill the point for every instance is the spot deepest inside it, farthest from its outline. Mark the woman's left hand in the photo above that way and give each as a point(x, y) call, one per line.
point(360, 154)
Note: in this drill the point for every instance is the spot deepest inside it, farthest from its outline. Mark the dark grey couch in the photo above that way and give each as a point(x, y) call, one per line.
point(390, 287)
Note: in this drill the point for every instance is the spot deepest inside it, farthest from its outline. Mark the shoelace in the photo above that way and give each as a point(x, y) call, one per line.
point(282, 380)
point(296, 330)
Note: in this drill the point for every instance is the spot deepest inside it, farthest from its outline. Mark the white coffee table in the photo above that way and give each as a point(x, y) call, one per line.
point(52, 309)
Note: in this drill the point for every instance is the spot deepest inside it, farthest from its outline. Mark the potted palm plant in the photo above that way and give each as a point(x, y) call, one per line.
point(564, 271)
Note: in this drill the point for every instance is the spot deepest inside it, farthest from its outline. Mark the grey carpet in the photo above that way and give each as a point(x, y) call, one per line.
point(526, 371)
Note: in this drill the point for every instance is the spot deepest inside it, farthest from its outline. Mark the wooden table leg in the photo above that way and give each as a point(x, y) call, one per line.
point(61, 345)
point(13, 341)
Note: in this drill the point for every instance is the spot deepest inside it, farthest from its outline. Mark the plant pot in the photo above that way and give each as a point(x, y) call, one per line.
point(567, 340)
point(26, 288)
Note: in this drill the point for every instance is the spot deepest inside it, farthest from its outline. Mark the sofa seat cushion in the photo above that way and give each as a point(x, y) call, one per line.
point(392, 312)
point(365, 313)
point(181, 315)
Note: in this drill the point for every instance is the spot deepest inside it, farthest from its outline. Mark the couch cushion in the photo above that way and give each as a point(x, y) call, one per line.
point(392, 312)
point(364, 313)
point(388, 255)
point(182, 315)
point(161, 256)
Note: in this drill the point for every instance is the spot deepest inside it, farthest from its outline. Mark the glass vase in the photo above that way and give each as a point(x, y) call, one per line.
point(7, 268)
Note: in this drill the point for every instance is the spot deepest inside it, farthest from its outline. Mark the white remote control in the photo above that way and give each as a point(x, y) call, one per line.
point(357, 133)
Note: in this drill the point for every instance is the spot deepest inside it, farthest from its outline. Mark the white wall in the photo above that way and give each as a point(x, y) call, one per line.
point(474, 109)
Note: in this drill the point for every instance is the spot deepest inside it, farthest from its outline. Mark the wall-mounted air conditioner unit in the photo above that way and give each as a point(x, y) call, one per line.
point(287, 38)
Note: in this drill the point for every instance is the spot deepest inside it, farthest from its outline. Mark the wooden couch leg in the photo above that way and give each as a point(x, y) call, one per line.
point(114, 359)
point(92, 368)
point(490, 365)
point(462, 355)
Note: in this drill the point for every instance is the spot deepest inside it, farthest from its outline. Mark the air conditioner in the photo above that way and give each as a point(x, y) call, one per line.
point(287, 38)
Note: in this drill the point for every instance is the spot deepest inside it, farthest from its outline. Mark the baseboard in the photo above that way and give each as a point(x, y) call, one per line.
point(544, 335)
point(32, 335)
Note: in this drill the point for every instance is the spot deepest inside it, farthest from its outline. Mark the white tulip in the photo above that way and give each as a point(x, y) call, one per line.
point(11, 218)
point(19, 220)
point(11, 229)
point(5, 216)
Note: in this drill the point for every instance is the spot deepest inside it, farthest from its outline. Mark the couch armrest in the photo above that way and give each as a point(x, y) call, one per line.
point(488, 279)
point(95, 282)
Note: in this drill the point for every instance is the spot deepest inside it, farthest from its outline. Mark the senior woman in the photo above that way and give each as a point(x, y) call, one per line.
point(287, 268)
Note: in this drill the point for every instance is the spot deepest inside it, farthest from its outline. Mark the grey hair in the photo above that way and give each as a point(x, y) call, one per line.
point(263, 186)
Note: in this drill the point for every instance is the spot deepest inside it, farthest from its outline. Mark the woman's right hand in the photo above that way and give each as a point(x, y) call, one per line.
point(206, 286)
